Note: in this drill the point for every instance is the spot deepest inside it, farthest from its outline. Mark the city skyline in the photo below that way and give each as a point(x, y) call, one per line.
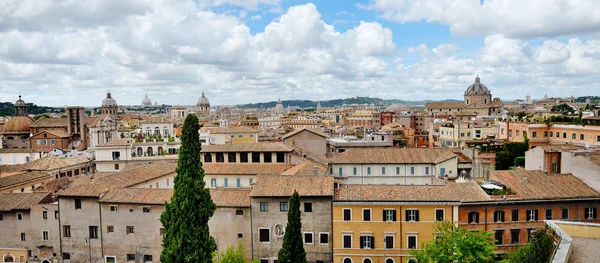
point(258, 51)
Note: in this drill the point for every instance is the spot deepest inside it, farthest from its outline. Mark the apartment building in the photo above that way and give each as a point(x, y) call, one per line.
point(314, 140)
point(214, 135)
point(247, 153)
point(542, 134)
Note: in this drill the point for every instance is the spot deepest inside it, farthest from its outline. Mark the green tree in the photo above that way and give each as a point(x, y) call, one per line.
point(185, 219)
point(233, 255)
point(457, 244)
point(511, 150)
point(292, 249)
point(539, 249)
point(564, 108)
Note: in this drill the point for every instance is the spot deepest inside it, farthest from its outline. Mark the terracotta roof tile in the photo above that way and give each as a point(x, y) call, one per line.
point(307, 168)
point(445, 105)
point(120, 142)
point(452, 192)
point(560, 148)
point(21, 201)
point(91, 189)
point(315, 131)
point(55, 162)
point(50, 122)
point(245, 169)
point(138, 174)
point(227, 197)
point(393, 155)
point(543, 186)
point(22, 178)
point(283, 185)
point(247, 147)
point(137, 196)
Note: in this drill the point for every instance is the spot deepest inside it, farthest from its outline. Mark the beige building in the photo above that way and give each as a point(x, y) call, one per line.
point(264, 152)
point(477, 101)
point(215, 135)
point(314, 140)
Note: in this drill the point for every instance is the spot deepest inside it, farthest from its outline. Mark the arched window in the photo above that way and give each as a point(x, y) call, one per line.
point(9, 258)
point(148, 131)
point(412, 260)
point(166, 131)
point(347, 260)
point(150, 151)
point(213, 182)
point(160, 150)
point(156, 130)
point(140, 152)
point(389, 260)
point(367, 260)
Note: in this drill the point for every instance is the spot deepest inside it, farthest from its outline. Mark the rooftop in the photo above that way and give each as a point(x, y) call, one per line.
point(538, 185)
point(22, 178)
point(49, 122)
point(218, 130)
point(229, 197)
point(244, 168)
point(138, 175)
point(393, 155)
point(247, 147)
point(21, 201)
point(54, 162)
point(452, 192)
point(315, 131)
point(284, 186)
point(137, 196)
point(120, 142)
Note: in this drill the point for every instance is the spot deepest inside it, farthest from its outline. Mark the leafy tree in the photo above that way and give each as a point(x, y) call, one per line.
point(539, 249)
point(185, 219)
point(564, 108)
point(457, 244)
point(511, 150)
point(292, 249)
point(233, 255)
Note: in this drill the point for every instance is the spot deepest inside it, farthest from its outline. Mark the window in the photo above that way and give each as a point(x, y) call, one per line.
point(208, 158)
point(557, 134)
point(573, 136)
point(264, 206)
point(347, 241)
point(268, 157)
point(45, 214)
point(367, 260)
point(564, 213)
point(19, 216)
point(473, 217)
point(240, 235)
point(213, 182)
point(412, 215)
point(22, 236)
point(389, 242)
point(308, 238)
point(113, 208)
point(426, 170)
point(116, 166)
point(93, 231)
point(514, 236)
point(226, 182)
point(147, 258)
point(545, 134)
point(239, 212)
point(439, 215)
point(56, 214)
point(598, 138)
point(412, 242)
point(564, 135)
point(532, 215)
point(590, 213)
point(340, 172)
point(66, 231)
point(66, 256)
point(581, 137)
point(283, 206)
point(280, 157)
point(515, 215)
point(264, 236)
point(548, 214)
point(534, 134)
point(116, 155)
point(366, 214)
point(308, 207)
point(397, 170)
point(146, 209)
point(324, 238)
point(250, 181)
point(498, 236)
point(256, 157)
point(130, 257)
point(551, 133)
point(231, 157)
point(499, 216)
point(347, 214)
point(77, 204)
point(412, 170)
point(45, 235)
point(1, 217)
point(382, 170)
point(353, 170)
point(389, 215)
point(368, 170)
point(243, 157)
point(366, 242)
point(129, 230)
point(220, 158)
point(238, 182)
point(110, 229)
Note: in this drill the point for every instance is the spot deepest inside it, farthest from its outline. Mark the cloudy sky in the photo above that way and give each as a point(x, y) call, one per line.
point(67, 52)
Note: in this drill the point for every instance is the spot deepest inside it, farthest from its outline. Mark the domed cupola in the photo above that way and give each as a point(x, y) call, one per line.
point(109, 105)
point(478, 93)
point(146, 101)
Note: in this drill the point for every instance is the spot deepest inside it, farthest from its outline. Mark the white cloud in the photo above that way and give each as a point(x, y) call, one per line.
point(512, 18)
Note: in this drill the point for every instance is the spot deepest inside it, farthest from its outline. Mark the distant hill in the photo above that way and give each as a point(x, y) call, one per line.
point(334, 103)
point(593, 99)
point(8, 109)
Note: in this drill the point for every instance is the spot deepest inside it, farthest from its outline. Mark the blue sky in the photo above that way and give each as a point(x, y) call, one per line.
point(241, 51)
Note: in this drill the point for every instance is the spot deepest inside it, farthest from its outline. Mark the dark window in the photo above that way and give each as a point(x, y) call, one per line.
point(220, 158)
point(498, 236)
point(366, 214)
point(93, 232)
point(239, 212)
point(67, 231)
point(514, 236)
point(22, 236)
point(564, 213)
point(116, 155)
point(208, 158)
point(515, 215)
point(116, 166)
point(240, 235)
point(545, 134)
point(564, 135)
point(532, 215)
point(439, 215)
point(308, 238)
point(389, 215)
point(324, 238)
point(1, 217)
point(77, 203)
point(264, 261)
point(499, 216)
point(548, 214)
point(589, 213)
point(347, 214)
point(66, 256)
point(146, 209)
point(412, 215)
point(111, 260)
point(581, 137)
point(263, 235)
point(147, 258)
point(283, 206)
point(280, 157)
point(389, 242)
point(19, 216)
point(130, 257)
point(534, 134)
point(308, 207)
point(113, 208)
point(45, 214)
point(264, 206)
point(473, 217)
point(231, 157)
point(347, 241)
point(367, 242)
point(243, 157)
point(110, 229)
point(129, 229)
point(56, 214)
point(412, 242)
point(268, 157)
point(256, 157)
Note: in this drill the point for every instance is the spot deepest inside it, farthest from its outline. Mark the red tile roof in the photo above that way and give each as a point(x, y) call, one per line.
point(318, 132)
point(231, 197)
point(22, 178)
point(283, 185)
point(452, 192)
point(138, 174)
point(21, 201)
point(244, 168)
point(543, 186)
point(393, 155)
point(137, 196)
point(91, 189)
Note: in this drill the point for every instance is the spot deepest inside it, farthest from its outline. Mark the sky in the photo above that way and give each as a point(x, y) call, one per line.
point(65, 52)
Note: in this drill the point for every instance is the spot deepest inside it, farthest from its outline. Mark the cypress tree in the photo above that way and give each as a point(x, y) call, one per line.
point(185, 219)
point(292, 249)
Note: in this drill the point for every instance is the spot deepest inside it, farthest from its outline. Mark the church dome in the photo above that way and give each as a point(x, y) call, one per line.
point(146, 101)
point(20, 102)
point(109, 101)
point(17, 124)
point(203, 101)
point(477, 88)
